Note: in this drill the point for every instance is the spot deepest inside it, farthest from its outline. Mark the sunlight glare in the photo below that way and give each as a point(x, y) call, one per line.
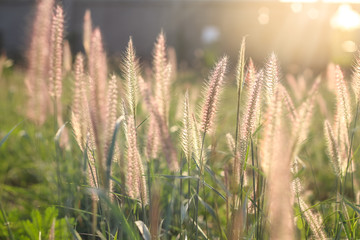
point(296, 7)
point(345, 18)
point(263, 17)
point(349, 46)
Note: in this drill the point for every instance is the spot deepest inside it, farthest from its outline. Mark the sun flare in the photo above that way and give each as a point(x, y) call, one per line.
point(345, 18)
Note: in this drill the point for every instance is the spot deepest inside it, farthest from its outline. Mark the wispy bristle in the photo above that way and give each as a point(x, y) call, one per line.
point(241, 65)
point(196, 139)
point(342, 117)
point(288, 103)
point(271, 77)
point(153, 140)
point(78, 84)
point(98, 88)
point(135, 181)
point(249, 119)
point(302, 122)
point(314, 220)
point(56, 53)
point(186, 133)
point(271, 126)
point(279, 187)
point(112, 105)
point(162, 74)
point(67, 57)
point(211, 95)
point(39, 104)
point(167, 145)
point(98, 101)
point(172, 61)
point(252, 104)
point(356, 77)
point(130, 69)
point(81, 122)
point(230, 142)
point(251, 72)
point(333, 148)
point(343, 99)
point(87, 31)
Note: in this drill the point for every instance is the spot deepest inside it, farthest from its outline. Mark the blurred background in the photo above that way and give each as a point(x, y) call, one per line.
point(303, 33)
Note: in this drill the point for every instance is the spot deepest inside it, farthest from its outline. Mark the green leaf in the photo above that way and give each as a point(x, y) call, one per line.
point(7, 135)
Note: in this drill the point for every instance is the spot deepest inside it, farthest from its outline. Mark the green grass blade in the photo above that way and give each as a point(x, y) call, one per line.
point(7, 135)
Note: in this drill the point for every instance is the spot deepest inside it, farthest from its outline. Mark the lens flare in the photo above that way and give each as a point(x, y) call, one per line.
point(345, 18)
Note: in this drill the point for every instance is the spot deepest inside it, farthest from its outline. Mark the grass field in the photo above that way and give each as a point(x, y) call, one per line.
point(129, 152)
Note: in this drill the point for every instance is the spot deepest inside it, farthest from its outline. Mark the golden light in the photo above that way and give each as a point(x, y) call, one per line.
point(345, 18)
point(263, 17)
point(313, 13)
point(298, 1)
point(341, 1)
point(324, 1)
point(296, 7)
point(349, 46)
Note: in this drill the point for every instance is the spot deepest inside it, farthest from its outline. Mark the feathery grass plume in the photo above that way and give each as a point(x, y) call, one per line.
point(239, 83)
point(81, 122)
point(230, 142)
point(79, 77)
point(164, 134)
point(251, 72)
point(252, 104)
point(112, 104)
point(288, 103)
point(56, 54)
point(130, 70)
point(356, 77)
point(253, 100)
point(80, 116)
point(300, 127)
point(211, 95)
point(67, 58)
point(271, 126)
point(153, 139)
point(240, 66)
point(87, 31)
point(333, 148)
point(279, 186)
point(342, 116)
point(56, 68)
point(296, 183)
point(343, 99)
point(98, 84)
point(186, 133)
point(196, 140)
point(162, 74)
point(38, 65)
point(135, 180)
point(172, 61)
point(271, 77)
point(235, 163)
point(313, 220)
point(97, 101)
